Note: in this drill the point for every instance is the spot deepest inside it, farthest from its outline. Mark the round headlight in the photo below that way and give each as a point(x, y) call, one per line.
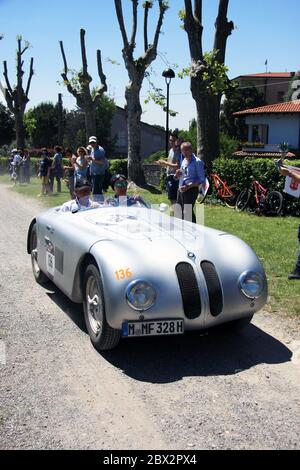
point(251, 284)
point(140, 295)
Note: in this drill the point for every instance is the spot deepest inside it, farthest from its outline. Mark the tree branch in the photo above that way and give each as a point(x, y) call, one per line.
point(151, 51)
point(134, 23)
point(103, 88)
point(198, 11)
point(83, 52)
point(224, 29)
point(119, 12)
point(64, 57)
point(6, 78)
point(64, 75)
point(193, 27)
point(30, 77)
point(146, 43)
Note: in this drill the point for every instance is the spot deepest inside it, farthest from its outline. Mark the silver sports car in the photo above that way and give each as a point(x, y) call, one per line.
point(139, 272)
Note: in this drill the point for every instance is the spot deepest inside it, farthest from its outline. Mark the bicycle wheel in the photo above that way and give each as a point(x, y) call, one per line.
point(273, 204)
point(230, 201)
point(242, 200)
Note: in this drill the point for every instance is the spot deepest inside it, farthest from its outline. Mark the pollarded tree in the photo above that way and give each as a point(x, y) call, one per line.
point(79, 86)
point(208, 76)
point(136, 69)
point(16, 97)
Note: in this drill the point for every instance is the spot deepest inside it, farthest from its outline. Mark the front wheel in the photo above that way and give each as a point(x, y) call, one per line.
point(102, 335)
point(273, 204)
point(243, 200)
point(39, 276)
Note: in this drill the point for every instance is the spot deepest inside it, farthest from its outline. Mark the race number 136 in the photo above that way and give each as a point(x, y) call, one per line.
point(122, 274)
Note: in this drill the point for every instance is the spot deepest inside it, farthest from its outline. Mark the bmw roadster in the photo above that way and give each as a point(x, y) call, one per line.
point(139, 272)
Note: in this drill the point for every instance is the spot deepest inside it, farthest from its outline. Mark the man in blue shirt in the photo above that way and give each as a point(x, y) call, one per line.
point(191, 174)
point(98, 166)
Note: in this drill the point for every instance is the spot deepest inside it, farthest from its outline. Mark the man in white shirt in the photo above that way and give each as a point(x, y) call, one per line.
point(82, 201)
point(16, 163)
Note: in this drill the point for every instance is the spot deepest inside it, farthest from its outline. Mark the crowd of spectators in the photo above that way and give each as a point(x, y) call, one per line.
point(88, 162)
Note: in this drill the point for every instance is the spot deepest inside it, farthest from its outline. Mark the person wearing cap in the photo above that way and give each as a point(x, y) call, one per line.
point(119, 185)
point(98, 166)
point(82, 199)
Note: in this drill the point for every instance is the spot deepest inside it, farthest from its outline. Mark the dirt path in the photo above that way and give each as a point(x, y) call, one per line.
point(197, 392)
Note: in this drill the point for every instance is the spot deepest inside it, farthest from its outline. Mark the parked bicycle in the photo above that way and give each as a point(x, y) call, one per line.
point(264, 201)
point(226, 193)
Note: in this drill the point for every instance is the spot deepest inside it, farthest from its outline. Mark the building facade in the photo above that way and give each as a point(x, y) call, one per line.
point(152, 138)
point(273, 124)
point(273, 85)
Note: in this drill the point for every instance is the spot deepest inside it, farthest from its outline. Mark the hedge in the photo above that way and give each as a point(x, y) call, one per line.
point(243, 171)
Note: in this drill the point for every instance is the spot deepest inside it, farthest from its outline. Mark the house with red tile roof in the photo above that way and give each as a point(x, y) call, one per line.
point(270, 125)
point(274, 85)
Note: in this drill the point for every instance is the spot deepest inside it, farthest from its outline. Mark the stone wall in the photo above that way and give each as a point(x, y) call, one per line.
point(152, 174)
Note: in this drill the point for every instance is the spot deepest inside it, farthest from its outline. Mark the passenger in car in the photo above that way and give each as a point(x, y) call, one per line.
point(82, 199)
point(119, 184)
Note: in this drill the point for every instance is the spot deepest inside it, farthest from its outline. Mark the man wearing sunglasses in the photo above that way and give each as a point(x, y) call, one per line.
point(119, 184)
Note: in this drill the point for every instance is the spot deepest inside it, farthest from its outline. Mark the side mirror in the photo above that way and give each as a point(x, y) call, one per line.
point(163, 207)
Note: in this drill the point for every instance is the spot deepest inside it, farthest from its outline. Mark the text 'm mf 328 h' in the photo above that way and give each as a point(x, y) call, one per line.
point(139, 272)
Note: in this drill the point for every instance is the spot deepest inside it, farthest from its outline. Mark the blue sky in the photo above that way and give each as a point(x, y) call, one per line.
point(265, 29)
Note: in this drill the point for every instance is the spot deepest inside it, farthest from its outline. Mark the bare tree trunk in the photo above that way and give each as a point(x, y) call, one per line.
point(134, 112)
point(90, 121)
point(20, 130)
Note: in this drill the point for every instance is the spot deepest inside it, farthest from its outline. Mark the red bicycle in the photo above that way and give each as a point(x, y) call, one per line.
point(264, 201)
point(225, 193)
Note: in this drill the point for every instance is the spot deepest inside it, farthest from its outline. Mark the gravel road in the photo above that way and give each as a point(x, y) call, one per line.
point(216, 391)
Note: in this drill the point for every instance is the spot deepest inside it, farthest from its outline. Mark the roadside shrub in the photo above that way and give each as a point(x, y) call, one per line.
point(118, 166)
point(243, 171)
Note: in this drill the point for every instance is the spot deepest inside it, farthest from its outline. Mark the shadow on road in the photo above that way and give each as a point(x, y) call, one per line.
point(161, 360)
point(74, 311)
point(169, 359)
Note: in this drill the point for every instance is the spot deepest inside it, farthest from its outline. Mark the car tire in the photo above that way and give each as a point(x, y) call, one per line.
point(39, 276)
point(102, 336)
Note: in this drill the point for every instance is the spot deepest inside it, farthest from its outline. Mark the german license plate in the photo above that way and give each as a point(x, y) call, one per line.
point(152, 328)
